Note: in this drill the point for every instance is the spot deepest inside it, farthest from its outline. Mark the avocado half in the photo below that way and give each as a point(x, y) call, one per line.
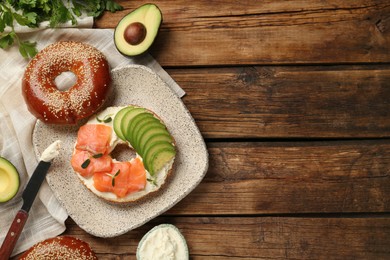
point(136, 31)
point(9, 180)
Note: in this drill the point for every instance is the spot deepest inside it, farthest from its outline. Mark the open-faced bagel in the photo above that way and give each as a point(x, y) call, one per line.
point(135, 177)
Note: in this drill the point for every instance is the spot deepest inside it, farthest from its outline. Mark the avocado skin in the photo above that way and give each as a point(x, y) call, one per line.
point(8, 168)
point(152, 30)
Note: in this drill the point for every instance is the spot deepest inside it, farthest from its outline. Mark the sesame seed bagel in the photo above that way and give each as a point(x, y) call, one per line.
point(62, 247)
point(100, 169)
point(51, 105)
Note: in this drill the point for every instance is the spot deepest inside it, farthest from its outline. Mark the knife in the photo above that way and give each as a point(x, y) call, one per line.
point(28, 197)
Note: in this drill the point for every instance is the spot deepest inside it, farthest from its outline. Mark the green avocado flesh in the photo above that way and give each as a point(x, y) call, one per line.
point(144, 128)
point(136, 32)
point(159, 159)
point(9, 180)
point(148, 136)
point(151, 152)
point(146, 120)
point(118, 121)
point(127, 119)
point(152, 138)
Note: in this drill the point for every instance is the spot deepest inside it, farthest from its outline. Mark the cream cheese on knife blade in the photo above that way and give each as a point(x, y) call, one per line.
point(51, 152)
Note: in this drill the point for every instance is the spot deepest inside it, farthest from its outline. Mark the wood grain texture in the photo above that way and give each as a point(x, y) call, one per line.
point(288, 101)
point(267, 32)
point(260, 238)
point(293, 177)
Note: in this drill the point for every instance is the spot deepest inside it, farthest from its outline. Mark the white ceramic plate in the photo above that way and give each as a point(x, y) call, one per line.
point(138, 85)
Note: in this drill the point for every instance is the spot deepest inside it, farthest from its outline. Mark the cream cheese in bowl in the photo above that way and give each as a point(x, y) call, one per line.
point(163, 242)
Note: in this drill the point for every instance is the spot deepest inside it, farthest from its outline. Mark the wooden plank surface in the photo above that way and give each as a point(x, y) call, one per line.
point(293, 177)
point(260, 238)
point(268, 32)
point(289, 101)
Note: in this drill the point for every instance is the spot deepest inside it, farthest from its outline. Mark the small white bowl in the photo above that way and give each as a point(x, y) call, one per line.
point(164, 233)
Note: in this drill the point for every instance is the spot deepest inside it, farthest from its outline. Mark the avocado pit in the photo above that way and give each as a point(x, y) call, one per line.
point(135, 33)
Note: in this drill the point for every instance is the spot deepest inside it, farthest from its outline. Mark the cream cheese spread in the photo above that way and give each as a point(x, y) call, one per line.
point(51, 152)
point(163, 242)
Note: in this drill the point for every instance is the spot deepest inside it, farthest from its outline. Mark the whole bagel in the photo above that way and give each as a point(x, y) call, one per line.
point(51, 105)
point(62, 247)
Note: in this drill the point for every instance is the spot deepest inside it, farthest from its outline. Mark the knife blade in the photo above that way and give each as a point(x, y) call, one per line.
point(28, 197)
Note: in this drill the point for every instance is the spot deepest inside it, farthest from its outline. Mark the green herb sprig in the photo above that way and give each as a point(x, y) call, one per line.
point(31, 13)
point(152, 181)
point(86, 163)
point(113, 178)
point(106, 119)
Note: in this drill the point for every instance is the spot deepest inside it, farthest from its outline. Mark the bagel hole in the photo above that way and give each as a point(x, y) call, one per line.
point(123, 153)
point(65, 80)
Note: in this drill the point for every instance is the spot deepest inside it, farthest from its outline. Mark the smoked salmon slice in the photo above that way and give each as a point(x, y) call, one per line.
point(124, 178)
point(84, 163)
point(122, 172)
point(137, 177)
point(113, 181)
point(102, 181)
point(94, 138)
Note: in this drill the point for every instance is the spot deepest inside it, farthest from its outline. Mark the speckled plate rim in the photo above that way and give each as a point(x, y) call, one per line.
point(202, 166)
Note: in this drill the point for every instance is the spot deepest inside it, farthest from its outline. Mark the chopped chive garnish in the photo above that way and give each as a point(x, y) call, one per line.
point(97, 155)
point(85, 163)
point(152, 181)
point(113, 178)
point(106, 119)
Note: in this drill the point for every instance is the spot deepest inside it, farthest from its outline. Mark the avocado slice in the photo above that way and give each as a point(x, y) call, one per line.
point(150, 138)
point(126, 120)
point(136, 31)
point(9, 180)
point(143, 127)
point(161, 158)
point(118, 120)
point(150, 154)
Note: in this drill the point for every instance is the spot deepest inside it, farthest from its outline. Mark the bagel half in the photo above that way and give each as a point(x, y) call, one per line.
point(157, 151)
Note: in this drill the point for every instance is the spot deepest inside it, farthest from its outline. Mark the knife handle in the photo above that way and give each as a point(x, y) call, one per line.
point(13, 235)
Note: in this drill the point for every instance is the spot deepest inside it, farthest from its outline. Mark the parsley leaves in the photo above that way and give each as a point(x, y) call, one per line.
point(31, 13)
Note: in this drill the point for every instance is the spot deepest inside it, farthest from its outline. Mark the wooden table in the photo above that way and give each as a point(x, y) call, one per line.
point(293, 100)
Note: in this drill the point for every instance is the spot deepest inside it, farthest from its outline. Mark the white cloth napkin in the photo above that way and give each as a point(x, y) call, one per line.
point(47, 216)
